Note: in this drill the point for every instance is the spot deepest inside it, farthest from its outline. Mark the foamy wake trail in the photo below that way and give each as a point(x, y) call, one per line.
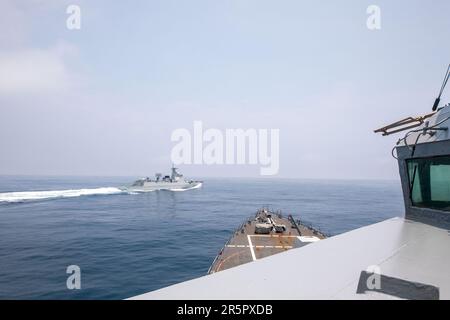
point(41, 195)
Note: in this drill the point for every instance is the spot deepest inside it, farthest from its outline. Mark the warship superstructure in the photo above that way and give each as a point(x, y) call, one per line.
point(174, 182)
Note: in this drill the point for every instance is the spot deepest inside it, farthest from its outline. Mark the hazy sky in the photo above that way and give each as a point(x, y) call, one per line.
point(104, 100)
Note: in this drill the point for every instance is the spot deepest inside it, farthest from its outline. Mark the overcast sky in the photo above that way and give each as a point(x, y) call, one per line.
point(104, 100)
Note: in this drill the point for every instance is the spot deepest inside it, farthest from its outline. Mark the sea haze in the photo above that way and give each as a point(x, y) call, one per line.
point(127, 244)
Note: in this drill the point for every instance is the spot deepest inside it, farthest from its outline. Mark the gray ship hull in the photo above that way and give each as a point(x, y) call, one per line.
point(163, 185)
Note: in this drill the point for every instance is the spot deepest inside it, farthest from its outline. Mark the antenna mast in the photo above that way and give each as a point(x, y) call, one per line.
point(444, 83)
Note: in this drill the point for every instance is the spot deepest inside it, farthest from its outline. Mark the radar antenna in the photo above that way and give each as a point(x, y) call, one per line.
point(444, 83)
point(412, 122)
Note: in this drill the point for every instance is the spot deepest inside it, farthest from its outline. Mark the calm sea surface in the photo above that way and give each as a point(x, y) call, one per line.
point(128, 244)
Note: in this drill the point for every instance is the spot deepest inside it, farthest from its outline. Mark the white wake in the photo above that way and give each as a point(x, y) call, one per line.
point(72, 193)
point(41, 195)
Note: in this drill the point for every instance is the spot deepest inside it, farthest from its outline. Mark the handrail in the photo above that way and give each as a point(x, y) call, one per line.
point(403, 124)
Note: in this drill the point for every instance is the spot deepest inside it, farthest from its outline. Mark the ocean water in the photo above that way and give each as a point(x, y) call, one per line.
point(128, 244)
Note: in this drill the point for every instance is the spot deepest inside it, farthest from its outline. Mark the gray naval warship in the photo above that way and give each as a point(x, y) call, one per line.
point(406, 257)
point(174, 182)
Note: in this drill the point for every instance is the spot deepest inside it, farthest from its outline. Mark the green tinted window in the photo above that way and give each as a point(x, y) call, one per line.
point(429, 180)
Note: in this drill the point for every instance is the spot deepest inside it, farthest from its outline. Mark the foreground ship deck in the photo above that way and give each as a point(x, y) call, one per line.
point(246, 245)
point(413, 259)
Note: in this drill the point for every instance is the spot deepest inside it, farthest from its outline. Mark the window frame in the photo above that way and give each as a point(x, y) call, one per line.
point(428, 205)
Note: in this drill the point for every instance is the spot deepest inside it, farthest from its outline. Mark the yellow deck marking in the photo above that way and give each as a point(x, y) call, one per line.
point(271, 236)
point(247, 246)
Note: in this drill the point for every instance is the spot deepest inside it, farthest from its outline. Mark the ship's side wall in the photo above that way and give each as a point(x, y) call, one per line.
point(433, 217)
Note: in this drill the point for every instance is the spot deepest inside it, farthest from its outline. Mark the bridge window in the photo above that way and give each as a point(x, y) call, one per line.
point(429, 181)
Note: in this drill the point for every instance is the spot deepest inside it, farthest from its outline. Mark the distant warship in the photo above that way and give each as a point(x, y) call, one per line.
point(174, 182)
